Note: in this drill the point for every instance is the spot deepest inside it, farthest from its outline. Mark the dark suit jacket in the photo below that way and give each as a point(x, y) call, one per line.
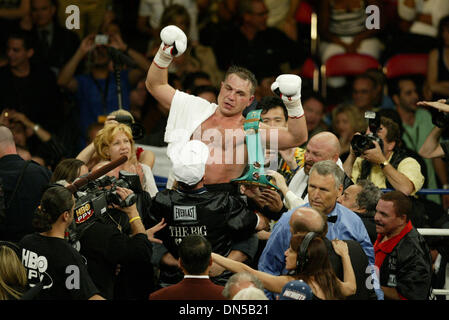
point(63, 46)
point(359, 262)
point(190, 289)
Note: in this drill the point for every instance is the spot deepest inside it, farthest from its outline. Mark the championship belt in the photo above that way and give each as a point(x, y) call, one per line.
point(255, 173)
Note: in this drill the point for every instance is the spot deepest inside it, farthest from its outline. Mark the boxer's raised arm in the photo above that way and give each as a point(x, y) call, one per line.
point(288, 88)
point(174, 43)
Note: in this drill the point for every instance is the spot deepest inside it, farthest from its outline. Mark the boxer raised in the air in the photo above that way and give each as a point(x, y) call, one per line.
point(220, 126)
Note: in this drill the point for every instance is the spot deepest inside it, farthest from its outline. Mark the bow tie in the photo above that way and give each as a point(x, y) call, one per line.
point(332, 219)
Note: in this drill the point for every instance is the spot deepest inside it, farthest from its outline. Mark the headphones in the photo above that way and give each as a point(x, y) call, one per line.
point(303, 258)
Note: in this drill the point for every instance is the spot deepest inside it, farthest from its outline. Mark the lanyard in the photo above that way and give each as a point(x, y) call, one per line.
point(104, 94)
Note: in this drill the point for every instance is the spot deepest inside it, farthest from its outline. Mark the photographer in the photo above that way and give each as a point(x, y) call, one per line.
point(114, 237)
point(96, 91)
point(116, 242)
point(389, 166)
point(432, 147)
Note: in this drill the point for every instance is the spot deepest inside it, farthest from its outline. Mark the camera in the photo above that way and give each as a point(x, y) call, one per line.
point(362, 142)
point(101, 39)
point(137, 129)
point(93, 199)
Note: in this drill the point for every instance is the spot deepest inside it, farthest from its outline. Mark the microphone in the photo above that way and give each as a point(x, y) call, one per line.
point(75, 186)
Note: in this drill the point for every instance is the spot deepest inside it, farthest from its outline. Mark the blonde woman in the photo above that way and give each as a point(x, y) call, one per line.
point(13, 278)
point(116, 140)
point(346, 121)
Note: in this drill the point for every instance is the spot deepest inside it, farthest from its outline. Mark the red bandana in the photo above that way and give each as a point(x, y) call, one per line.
point(382, 249)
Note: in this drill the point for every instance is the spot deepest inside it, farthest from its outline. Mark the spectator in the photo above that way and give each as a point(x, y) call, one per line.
point(342, 29)
point(274, 114)
point(23, 183)
point(383, 101)
point(387, 167)
point(402, 255)
point(437, 71)
point(195, 261)
point(52, 218)
point(325, 186)
point(11, 14)
point(55, 44)
point(47, 149)
point(28, 87)
point(91, 158)
point(423, 18)
point(150, 17)
point(308, 259)
point(69, 170)
point(322, 146)
point(314, 110)
point(96, 91)
point(305, 219)
point(296, 290)
point(438, 246)
point(256, 46)
point(362, 198)
point(281, 15)
point(221, 217)
point(250, 293)
point(417, 124)
point(239, 281)
point(346, 121)
point(13, 277)
point(192, 80)
point(209, 93)
point(115, 140)
point(364, 93)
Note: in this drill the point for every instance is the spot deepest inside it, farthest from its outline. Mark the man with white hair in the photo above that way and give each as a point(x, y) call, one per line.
point(222, 218)
point(23, 183)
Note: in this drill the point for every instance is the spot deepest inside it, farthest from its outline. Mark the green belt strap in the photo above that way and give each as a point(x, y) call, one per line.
point(255, 174)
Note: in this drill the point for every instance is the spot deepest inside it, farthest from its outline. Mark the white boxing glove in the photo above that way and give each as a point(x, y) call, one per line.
point(288, 88)
point(174, 43)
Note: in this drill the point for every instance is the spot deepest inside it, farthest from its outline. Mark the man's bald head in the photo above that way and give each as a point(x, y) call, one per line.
point(307, 219)
point(7, 145)
point(322, 146)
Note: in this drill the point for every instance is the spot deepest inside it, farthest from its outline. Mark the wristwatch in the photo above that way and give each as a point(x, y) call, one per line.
point(383, 164)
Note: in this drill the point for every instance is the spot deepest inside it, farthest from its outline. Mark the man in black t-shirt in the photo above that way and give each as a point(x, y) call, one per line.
point(60, 268)
point(49, 259)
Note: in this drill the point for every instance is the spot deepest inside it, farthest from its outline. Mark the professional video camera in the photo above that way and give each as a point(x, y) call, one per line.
point(137, 129)
point(93, 199)
point(362, 142)
point(440, 118)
